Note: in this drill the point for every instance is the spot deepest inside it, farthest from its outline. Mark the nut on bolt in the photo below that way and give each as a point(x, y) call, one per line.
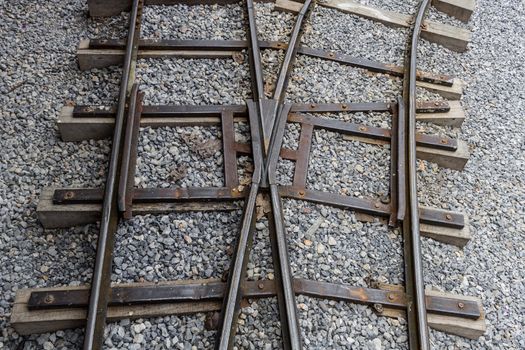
point(461, 305)
point(260, 285)
point(391, 296)
point(69, 195)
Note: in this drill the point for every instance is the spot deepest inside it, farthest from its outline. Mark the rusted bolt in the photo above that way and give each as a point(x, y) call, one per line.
point(260, 285)
point(49, 299)
point(391, 296)
point(362, 128)
point(69, 195)
point(461, 305)
point(312, 105)
point(344, 106)
point(301, 193)
point(378, 308)
point(331, 54)
point(448, 217)
point(444, 141)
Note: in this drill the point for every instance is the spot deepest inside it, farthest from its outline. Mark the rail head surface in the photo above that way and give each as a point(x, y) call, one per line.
point(414, 285)
point(97, 311)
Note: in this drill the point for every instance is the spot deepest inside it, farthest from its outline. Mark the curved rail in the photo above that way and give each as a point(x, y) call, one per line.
point(414, 285)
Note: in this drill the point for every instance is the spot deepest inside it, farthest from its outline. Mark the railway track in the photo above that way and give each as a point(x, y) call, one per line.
point(267, 116)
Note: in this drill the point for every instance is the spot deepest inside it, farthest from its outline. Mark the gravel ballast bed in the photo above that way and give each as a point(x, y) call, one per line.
point(39, 74)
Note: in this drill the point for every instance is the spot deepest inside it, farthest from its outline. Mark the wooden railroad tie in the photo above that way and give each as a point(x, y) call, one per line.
point(451, 37)
point(89, 58)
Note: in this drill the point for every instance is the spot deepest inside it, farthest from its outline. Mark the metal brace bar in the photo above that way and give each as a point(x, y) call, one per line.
point(129, 153)
point(231, 178)
point(199, 291)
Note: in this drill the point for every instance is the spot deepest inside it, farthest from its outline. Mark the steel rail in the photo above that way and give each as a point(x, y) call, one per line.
point(291, 334)
point(414, 285)
point(263, 114)
point(100, 286)
point(256, 69)
point(232, 297)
